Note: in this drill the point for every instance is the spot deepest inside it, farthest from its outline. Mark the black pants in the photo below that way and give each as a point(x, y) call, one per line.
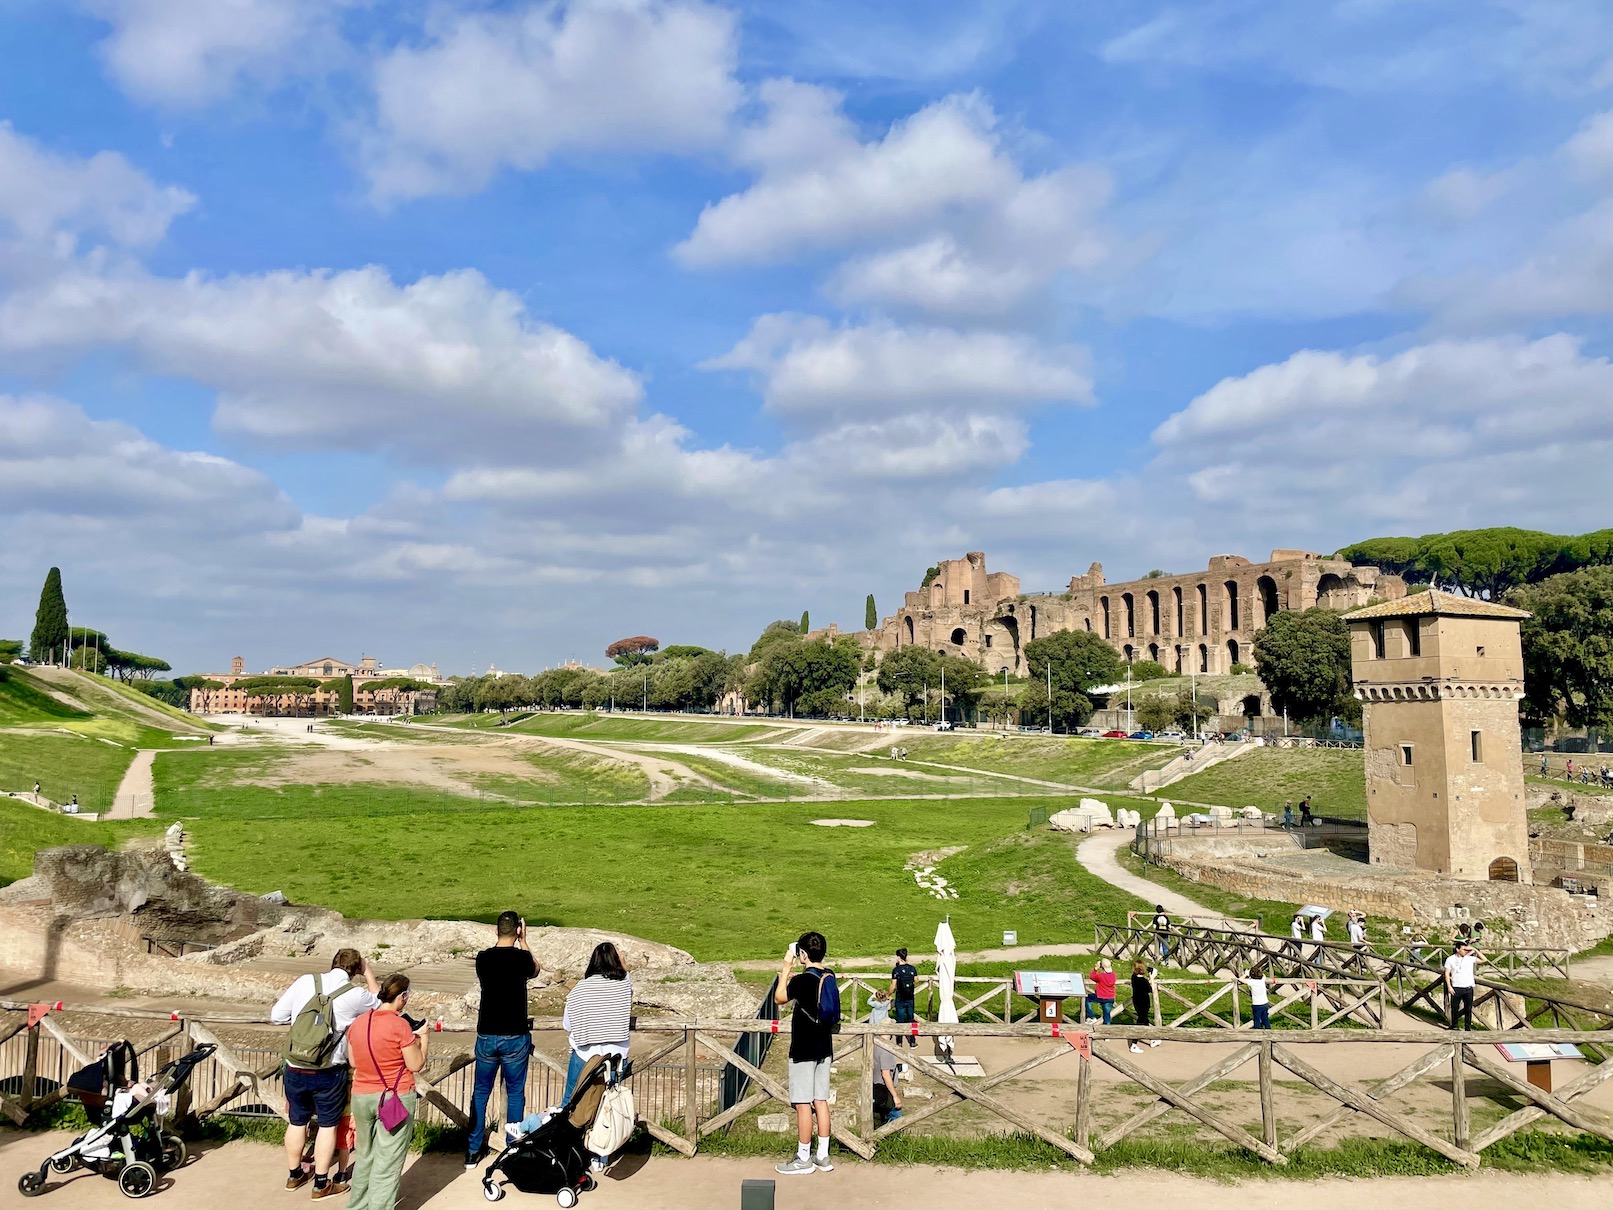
point(1462, 1006)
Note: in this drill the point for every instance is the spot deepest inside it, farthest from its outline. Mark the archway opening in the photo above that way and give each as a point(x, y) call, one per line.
point(1503, 869)
point(1127, 652)
point(960, 636)
point(1131, 614)
point(1231, 618)
point(1204, 658)
point(1267, 587)
point(908, 620)
point(1153, 612)
point(1176, 594)
point(1103, 604)
point(1232, 653)
point(1251, 706)
point(1153, 652)
point(1330, 592)
point(1204, 610)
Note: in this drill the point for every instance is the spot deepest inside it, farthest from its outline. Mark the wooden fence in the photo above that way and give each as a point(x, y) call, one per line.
point(680, 1052)
point(1411, 985)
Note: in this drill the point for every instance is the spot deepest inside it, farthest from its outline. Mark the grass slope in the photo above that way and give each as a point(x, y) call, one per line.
point(1335, 778)
point(573, 725)
point(24, 704)
point(24, 830)
point(64, 765)
point(1080, 762)
point(723, 882)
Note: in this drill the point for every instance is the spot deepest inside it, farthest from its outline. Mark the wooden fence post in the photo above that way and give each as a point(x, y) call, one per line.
point(1461, 1125)
point(865, 1094)
point(691, 1073)
point(1268, 1103)
point(1083, 1102)
point(30, 1069)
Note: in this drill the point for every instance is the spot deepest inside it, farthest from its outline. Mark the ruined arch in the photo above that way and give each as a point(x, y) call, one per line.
point(1153, 611)
point(1181, 658)
point(1331, 593)
point(1204, 657)
point(1232, 653)
point(1176, 594)
point(1153, 652)
point(1130, 604)
point(1033, 622)
point(1204, 609)
point(1266, 587)
point(1001, 638)
point(1127, 652)
point(1504, 869)
point(908, 625)
point(1251, 706)
point(960, 636)
point(1230, 619)
point(1103, 604)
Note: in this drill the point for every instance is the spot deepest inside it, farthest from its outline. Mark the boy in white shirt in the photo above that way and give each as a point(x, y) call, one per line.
point(1459, 980)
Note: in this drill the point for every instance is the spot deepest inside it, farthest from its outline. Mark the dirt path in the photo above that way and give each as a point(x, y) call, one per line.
point(135, 798)
point(221, 1175)
point(1098, 855)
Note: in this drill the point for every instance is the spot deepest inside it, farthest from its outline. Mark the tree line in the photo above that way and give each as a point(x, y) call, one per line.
point(1484, 562)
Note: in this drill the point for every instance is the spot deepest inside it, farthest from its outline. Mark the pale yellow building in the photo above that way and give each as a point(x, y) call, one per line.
point(1439, 677)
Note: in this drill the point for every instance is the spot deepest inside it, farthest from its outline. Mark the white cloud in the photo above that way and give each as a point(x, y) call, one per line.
point(495, 89)
point(811, 369)
point(186, 53)
point(436, 368)
point(43, 194)
point(1591, 148)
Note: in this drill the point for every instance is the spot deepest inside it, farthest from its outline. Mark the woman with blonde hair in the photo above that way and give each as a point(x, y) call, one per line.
point(1102, 996)
point(385, 1051)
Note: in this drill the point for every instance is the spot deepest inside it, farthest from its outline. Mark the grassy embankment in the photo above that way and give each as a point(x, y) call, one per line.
point(1335, 778)
point(24, 830)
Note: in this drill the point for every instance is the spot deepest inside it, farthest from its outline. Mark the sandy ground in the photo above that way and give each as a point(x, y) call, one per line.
point(1098, 855)
point(247, 1174)
point(134, 797)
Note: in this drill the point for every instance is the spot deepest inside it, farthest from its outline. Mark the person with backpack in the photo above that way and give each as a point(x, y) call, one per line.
point(320, 1008)
point(813, 1025)
point(1162, 930)
point(388, 1048)
point(903, 992)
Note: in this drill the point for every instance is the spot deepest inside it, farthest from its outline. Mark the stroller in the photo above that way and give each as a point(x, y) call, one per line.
point(554, 1158)
point(129, 1143)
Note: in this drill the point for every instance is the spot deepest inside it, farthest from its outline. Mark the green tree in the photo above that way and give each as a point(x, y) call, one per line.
point(775, 632)
point(634, 650)
point(870, 614)
point(1148, 670)
point(50, 621)
point(131, 665)
point(1157, 712)
point(908, 672)
point(344, 695)
point(1568, 647)
point(806, 622)
point(1079, 661)
point(1304, 659)
point(1484, 562)
point(10, 650)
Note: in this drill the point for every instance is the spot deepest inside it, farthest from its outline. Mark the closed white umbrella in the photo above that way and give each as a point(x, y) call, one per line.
point(946, 972)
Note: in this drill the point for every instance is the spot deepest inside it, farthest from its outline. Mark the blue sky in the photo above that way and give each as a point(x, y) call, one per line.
point(476, 332)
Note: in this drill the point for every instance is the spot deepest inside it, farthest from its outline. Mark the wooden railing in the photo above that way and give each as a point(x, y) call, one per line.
point(689, 1046)
point(1412, 985)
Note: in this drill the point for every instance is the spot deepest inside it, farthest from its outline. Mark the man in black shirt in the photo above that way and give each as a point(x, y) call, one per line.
point(811, 1052)
point(503, 1035)
point(903, 990)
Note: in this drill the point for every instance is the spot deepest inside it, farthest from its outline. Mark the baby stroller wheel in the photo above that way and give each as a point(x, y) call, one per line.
point(30, 1183)
point(567, 1197)
point(173, 1152)
point(492, 1192)
point(589, 1184)
point(137, 1179)
point(64, 1164)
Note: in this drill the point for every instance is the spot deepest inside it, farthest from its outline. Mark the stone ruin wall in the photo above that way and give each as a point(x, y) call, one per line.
point(1205, 621)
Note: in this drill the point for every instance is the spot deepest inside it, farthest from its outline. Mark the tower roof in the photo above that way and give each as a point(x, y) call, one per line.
point(1435, 602)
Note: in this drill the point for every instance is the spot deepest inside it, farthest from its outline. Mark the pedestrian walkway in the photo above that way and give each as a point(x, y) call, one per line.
point(1099, 856)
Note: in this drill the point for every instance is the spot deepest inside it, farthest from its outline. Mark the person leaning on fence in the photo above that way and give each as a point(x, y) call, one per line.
point(1162, 930)
point(1288, 814)
point(887, 1089)
point(811, 1049)
point(1101, 999)
point(903, 992)
point(386, 1052)
point(599, 1013)
point(1459, 981)
point(1259, 1003)
point(1305, 819)
point(503, 1029)
point(320, 1009)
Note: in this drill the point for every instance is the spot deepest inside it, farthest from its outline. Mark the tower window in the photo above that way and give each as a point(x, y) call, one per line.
point(1475, 741)
point(965, 596)
point(1414, 637)
point(1376, 629)
point(1481, 653)
point(988, 644)
point(1405, 755)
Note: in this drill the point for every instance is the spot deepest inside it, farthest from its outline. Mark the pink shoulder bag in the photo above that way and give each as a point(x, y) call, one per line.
point(393, 1113)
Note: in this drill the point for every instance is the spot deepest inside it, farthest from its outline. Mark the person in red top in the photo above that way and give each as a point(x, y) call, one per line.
point(385, 1051)
point(1102, 996)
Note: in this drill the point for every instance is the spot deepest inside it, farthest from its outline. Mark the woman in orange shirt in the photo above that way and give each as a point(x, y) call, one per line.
point(385, 1051)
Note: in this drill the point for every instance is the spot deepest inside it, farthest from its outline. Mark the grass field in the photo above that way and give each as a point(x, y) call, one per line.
point(577, 725)
point(1082, 762)
point(1335, 778)
point(721, 881)
point(24, 830)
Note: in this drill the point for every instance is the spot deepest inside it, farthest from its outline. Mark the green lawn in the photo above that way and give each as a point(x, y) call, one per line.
point(1335, 778)
point(64, 765)
point(1080, 762)
point(577, 725)
point(25, 829)
point(24, 704)
point(724, 882)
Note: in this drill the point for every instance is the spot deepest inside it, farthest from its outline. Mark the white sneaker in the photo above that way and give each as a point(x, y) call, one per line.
point(512, 1132)
point(1153, 1041)
point(822, 1164)
point(1136, 1048)
point(795, 1166)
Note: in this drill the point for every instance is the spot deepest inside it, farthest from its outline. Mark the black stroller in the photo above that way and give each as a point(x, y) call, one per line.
point(129, 1142)
point(554, 1158)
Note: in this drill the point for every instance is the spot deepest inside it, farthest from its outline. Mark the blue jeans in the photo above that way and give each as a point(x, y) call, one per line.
point(573, 1074)
point(1094, 1003)
point(495, 1053)
point(1262, 1014)
point(902, 1013)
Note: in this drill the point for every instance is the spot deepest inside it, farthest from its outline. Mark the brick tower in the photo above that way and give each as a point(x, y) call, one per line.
point(1439, 677)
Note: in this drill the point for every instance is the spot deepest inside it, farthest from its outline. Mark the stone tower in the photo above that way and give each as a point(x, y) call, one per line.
point(237, 666)
point(1439, 677)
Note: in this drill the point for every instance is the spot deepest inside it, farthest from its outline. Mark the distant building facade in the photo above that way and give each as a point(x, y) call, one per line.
point(386, 700)
point(1439, 678)
point(1204, 622)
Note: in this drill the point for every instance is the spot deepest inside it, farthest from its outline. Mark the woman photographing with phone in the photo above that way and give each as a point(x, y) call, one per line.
point(385, 1050)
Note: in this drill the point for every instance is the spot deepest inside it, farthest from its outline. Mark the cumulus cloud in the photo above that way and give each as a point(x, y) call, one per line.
point(43, 194)
point(811, 369)
point(186, 53)
point(489, 90)
point(437, 368)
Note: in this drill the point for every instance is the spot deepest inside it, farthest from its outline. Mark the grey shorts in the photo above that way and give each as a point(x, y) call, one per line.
point(809, 1082)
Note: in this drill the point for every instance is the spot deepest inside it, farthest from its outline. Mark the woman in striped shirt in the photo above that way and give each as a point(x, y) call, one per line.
point(599, 1012)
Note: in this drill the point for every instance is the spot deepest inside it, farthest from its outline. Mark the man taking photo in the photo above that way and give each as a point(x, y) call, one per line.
point(503, 1029)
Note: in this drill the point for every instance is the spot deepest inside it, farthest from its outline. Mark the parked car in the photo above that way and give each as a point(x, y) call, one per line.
point(1114, 735)
point(1141, 735)
point(943, 726)
point(1091, 732)
point(1171, 734)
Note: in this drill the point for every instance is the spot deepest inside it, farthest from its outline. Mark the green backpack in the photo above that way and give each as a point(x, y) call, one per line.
point(312, 1039)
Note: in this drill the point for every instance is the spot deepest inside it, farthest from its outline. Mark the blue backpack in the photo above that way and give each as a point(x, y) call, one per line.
point(828, 1013)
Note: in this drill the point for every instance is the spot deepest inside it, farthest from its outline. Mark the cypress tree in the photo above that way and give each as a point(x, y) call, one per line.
point(870, 615)
point(50, 622)
point(806, 622)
